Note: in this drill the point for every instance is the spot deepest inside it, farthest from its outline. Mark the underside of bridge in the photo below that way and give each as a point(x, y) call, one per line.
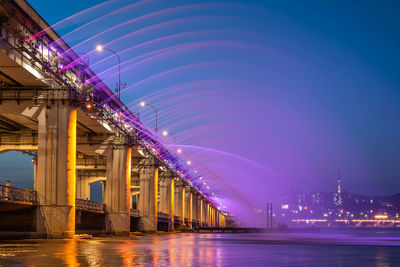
point(75, 140)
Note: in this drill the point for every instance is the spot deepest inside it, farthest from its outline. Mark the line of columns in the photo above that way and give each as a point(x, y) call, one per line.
point(55, 183)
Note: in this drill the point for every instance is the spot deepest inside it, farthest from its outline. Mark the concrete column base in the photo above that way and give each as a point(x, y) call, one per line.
point(119, 223)
point(56, 221)
point(148, 224)
point(171, 226)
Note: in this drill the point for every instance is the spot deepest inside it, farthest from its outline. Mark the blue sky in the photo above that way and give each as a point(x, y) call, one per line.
point(300, 87)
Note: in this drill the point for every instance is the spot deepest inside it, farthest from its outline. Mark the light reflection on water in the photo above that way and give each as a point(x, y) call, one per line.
point(302, 249)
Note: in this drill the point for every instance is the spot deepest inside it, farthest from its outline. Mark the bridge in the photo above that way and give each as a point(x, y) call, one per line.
point(78, 132)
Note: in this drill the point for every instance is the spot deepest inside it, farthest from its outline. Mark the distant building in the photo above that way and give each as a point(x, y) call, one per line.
point(335, 206)
point(338, 198)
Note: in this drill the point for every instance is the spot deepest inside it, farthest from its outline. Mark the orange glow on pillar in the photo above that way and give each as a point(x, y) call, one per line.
point(156, 192)
point(201, 211)
point(191, 209)
point(71, 172)
point(172, 201)
point(183, 205)
point(128, 168)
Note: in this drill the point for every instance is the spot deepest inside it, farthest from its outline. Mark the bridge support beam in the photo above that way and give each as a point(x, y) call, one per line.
point(56, 172)
point(117, 189)
point(208, 216)
point(164, 194)
point(82, 187)
point(194, 209)
point(211, 216)
point(201, 211)
point(178, 201)
point(189, 207)
point(148, 198)
point(167, 199)
point(172, 204)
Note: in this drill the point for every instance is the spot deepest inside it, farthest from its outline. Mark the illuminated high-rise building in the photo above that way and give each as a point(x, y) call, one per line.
point(339, 183)
point(338, 198)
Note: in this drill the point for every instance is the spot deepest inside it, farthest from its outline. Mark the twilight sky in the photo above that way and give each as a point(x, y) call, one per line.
point(262, 96)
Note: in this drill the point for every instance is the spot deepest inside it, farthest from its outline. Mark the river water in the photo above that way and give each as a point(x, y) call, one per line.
point(340, 248)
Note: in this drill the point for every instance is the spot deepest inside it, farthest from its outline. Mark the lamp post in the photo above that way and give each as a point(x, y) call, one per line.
point(100, 48)
point(143, 104)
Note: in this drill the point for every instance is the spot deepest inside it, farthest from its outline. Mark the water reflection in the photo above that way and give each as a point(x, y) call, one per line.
point(207, 250)
point(68, 253)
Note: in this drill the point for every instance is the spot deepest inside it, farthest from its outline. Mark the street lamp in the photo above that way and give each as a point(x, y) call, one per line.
point(143, 104)
point(101, 48)
point(166, 133)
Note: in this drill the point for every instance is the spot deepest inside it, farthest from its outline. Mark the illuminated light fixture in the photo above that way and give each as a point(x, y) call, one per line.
point(179, 151)
point(141, 152)
point(381, 216)
point(165, 133)
point(201, 178)
point(208, 187)
point(88, 106)
point(204, 183)
point(195, 171)
point(142, 104)
point(188, 162)
point(99, 48)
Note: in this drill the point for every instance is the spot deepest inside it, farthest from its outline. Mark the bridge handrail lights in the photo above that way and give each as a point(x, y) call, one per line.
point(17, 194)
point(89, 205)
point(51, 60)
point(82, 85)
point(163, 215)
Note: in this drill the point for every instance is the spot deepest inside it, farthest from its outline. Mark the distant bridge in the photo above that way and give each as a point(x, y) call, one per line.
point(79, 133)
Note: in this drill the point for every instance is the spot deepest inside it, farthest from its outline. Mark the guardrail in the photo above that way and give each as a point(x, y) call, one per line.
point(89, 205)
point(163, 215)
point(17, 194)
point(135, 213)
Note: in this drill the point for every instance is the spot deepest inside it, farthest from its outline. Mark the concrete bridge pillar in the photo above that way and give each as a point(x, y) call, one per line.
point(82, 187)
point(178, 200)
point(190, 209)
point(165, 190)
point(148, 197)
point(201, 211)
point(212, 216)
point(172, 204)
point(210, 219)
point(167, 198)
point(183, 207)
point(56, 170)
point(194, 205)
point(118, 187)
point(207, 213)
point(188, 206)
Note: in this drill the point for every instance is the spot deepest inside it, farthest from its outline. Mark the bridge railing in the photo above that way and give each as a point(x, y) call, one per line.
point(89, 205)
point(17, 194)
point(163, 215)
point(135, 213)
